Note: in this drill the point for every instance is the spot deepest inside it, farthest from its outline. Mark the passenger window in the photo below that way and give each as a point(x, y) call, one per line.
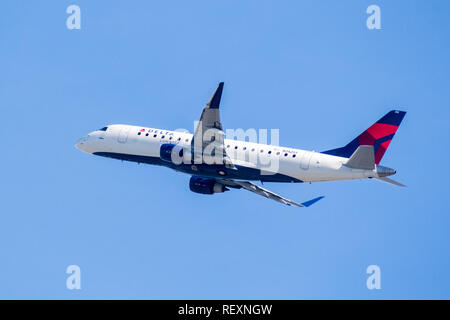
point(270, 152)
point(154, 136)
point(285, 154)
point(139, 133)
point(293, 156)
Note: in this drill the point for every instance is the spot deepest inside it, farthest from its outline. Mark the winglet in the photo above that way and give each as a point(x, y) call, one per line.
point(214, 102)
point(311, 202)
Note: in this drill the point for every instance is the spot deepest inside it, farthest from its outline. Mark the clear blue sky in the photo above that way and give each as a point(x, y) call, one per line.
point(310, 68)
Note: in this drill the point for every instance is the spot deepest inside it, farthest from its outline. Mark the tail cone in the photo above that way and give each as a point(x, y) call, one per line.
point(385, 171)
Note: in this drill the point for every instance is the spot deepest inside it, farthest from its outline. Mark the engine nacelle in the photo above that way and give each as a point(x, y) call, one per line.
point(171, 153)
point(205, 185)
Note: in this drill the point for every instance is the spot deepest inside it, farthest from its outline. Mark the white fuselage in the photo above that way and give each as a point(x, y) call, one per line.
point(141, 144)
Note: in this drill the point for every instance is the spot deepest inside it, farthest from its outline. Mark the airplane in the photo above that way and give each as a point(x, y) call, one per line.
point(217, 164)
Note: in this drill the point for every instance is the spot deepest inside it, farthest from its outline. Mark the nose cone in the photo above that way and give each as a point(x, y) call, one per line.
point(81, 144)
point(78, 145)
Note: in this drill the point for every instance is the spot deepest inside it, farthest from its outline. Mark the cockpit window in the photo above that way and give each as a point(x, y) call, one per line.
point(103, 129)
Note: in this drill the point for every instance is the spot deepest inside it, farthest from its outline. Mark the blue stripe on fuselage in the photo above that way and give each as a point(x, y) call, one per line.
point(242, 173)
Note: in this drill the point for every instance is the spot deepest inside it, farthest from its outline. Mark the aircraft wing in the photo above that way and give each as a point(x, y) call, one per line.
point(265, 193)
point(208, 138)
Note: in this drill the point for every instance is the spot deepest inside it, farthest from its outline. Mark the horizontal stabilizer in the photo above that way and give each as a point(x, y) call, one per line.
point(391, 181)
point(363, 158)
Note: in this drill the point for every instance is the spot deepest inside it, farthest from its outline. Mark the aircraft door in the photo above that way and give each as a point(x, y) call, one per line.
point(123, 134)
point(305, 159)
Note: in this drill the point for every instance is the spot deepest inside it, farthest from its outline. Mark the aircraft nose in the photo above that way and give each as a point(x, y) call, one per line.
point(78, 145)
point(81, 143)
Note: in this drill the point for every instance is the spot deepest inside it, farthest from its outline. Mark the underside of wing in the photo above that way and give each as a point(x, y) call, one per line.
point(247, 185)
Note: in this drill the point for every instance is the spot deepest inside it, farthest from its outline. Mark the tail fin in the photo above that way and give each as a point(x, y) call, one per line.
point(379, 135)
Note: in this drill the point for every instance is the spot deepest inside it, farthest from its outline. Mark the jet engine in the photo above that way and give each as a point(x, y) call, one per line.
point(171, 153)
point(205, 185)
